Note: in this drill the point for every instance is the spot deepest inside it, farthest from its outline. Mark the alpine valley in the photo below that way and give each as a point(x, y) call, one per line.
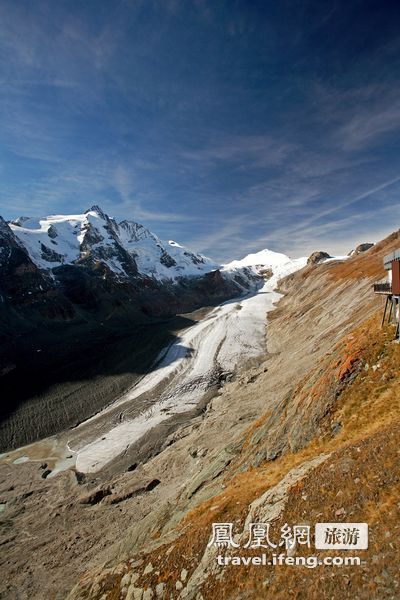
point(148, 393)
point(86, 305)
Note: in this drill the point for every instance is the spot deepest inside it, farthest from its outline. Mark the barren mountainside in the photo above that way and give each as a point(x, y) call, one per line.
point(307, 433)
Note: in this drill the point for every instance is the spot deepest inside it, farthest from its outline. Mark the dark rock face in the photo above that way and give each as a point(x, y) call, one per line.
point(360, 249)
point(95, 252)
point(95, 496)
point(90, 238)
point(21, 282)
point(317, 257)
point(363, 248)
point(167, 260)
point(152, 484)
point(197, 260)
point(52, 232)
point(134, 230)
point(50, 255)
point(96, 208)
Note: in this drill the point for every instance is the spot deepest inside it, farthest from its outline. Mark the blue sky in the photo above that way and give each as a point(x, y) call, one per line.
point(229, 126)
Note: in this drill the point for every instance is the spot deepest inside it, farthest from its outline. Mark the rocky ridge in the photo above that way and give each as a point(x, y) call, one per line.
point(126, 248)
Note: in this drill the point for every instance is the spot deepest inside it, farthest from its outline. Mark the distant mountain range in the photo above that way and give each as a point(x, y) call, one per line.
point(84, 259)
point(84, 296)
point(126, 248)
point(86, 305)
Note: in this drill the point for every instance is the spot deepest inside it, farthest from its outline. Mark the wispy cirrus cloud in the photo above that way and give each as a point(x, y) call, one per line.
point(133, 200)
point(246, 150)
point(224, 126)
point(370, 126)
point(358, 117)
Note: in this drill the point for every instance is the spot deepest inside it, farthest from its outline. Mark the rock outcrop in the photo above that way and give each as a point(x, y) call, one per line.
point(317, 257)
point(361, 248)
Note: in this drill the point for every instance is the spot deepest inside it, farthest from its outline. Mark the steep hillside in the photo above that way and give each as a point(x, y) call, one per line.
point(313, 436)
point(308, 434)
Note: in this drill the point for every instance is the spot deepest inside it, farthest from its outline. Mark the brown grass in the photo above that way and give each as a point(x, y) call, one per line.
point(369, 264)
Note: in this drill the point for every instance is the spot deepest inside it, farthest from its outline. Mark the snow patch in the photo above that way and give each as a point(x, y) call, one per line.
point(280, 264)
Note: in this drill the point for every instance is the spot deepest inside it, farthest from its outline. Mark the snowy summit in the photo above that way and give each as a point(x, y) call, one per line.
point(125, 246)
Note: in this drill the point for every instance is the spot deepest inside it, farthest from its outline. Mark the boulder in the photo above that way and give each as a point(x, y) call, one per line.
point(317, 257)
point(361, 248)
point(95, 496)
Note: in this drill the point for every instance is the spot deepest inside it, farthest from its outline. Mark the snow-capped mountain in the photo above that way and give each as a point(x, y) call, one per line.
point(266, 263)
point(126, 248)
point(62, 264)
point(75, 289)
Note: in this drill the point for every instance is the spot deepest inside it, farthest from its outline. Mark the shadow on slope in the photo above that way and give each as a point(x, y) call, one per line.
point(58, 376)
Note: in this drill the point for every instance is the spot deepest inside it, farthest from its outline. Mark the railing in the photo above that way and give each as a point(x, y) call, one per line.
point(383, 287)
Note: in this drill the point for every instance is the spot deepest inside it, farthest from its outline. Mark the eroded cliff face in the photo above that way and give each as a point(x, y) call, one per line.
point(307, 434)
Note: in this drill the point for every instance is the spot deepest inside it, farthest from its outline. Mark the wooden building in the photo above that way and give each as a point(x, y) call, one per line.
point(390, 287)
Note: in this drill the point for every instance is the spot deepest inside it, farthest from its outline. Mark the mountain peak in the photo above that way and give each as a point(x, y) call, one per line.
point(94, 237)
point(97, 209)
point(4, 227)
